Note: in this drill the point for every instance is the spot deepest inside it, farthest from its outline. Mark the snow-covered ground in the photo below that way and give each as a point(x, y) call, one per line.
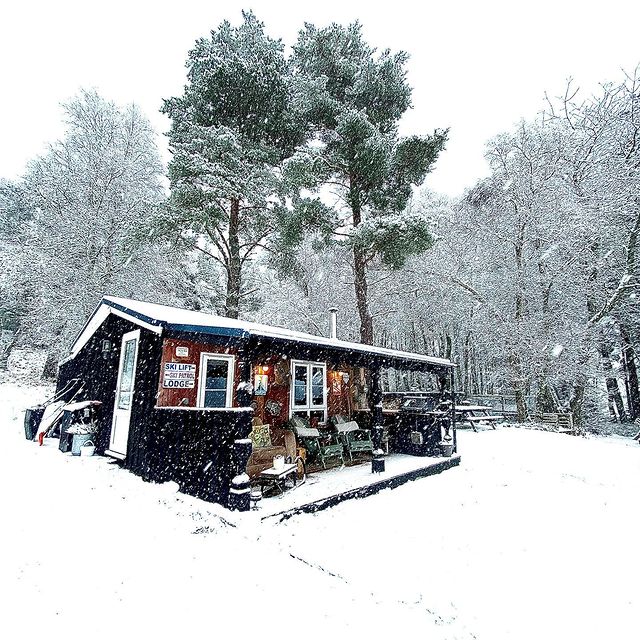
point(533, 536)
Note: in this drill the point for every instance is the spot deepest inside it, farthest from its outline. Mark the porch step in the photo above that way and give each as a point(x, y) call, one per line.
point(114, 454)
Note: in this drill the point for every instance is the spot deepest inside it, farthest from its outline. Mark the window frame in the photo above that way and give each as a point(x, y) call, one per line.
point(202, 377)
point(309, 408)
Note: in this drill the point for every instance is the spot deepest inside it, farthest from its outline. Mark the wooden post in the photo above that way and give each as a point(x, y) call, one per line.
point(244, 390)
point(240, 489)
point(377, 425)
point(239, 493)
point(453, 410)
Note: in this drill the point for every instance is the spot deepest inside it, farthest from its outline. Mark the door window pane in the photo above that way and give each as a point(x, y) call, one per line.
point(215, 389)
point(300, 386)
point(124, 400)
point(215, 399)
point(128, 357)
point(126, 376)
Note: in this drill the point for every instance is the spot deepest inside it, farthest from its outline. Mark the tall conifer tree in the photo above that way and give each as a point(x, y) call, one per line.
point(355, 99)
point(232, 127)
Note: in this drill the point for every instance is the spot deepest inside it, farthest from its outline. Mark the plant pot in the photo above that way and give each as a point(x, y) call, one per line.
point(447, 449)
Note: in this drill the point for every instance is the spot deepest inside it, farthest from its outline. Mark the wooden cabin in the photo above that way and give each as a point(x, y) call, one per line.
point(181, 390)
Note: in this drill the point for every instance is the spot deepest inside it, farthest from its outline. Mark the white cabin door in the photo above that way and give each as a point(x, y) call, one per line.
point(124, 394)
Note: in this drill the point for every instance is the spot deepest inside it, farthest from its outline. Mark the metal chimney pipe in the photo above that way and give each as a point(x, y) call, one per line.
point(333, 323)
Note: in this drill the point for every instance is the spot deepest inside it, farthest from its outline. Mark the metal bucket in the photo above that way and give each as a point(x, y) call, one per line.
point(78, 441)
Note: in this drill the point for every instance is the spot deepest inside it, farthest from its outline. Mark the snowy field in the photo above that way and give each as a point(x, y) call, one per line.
point(533, 536)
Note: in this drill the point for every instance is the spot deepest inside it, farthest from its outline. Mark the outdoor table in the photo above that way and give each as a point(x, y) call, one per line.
point(474, 414)
point(278, 477)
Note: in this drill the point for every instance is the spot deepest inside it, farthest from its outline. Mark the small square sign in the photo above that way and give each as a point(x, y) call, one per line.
point(182, 352)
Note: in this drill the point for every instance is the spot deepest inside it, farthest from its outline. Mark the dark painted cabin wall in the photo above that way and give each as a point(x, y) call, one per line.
point(99, 377)
point(197, 450)
point(193, 448)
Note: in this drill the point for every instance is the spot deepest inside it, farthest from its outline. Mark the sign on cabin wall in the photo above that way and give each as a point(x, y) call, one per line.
point(261, 384)
point(182, 352)
point(179, 375)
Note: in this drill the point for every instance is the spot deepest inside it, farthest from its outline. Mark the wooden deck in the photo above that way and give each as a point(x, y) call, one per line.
point(329, 488)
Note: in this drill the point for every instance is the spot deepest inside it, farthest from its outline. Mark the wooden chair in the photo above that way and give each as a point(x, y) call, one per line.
point(319, 446)
point(353, 438)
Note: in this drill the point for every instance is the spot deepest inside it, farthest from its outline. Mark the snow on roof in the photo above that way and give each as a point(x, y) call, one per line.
point(158, 316)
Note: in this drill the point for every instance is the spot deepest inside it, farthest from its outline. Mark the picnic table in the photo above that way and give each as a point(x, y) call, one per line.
point(475, 414)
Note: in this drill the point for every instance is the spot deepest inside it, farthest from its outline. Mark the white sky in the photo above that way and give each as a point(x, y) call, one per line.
point(476, 66)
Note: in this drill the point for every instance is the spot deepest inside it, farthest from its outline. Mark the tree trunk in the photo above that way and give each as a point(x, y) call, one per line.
point(466, 364)
point(362, 296)
point(576, 402)
point(521, 403)
point(629, 360)
point(517, 382)
point(616, 406)
point(360, 279)
point(5, 351)
point(232, 305)
point(50, 370)
point(516, 360)
point(546, 400)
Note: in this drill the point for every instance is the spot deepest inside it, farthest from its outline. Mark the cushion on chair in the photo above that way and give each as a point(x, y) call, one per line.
point(260, 436)
point(345, 427)
point(307, 432)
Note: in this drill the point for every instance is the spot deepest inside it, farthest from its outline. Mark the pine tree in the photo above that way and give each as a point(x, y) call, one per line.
point(231, 129)
point(355, 99)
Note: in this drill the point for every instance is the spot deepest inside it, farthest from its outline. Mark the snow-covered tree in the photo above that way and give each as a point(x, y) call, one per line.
point(353, 181)
point(231, 129)
point(14, 293)
point(86, 198)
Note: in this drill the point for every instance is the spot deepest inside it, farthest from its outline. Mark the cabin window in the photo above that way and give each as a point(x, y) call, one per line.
point(216, 380)
point(308, 389)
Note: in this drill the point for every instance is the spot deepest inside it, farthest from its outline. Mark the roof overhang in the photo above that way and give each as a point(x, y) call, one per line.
point(103, 311)
point(182, 321)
